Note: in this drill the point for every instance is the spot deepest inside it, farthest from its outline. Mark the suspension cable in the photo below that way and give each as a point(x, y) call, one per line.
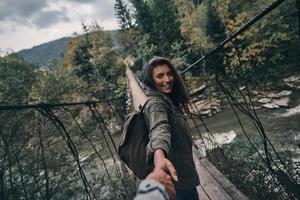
point(54, 105)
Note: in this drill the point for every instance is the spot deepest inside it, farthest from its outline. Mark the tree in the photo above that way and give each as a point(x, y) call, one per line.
point(193, 26)
point(263, 49)
point(16, 79)
point(166, 27)
point(198, 28)
point(53, 85)
point(123, 14)
point(158, 20)
point(81, 60)
point(93, 60)
point(142, 16)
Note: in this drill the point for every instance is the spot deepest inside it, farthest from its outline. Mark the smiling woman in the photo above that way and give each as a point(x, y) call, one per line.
point(170, 143)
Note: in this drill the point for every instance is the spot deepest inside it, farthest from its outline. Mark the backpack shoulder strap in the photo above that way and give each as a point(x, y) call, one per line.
point(142, 107)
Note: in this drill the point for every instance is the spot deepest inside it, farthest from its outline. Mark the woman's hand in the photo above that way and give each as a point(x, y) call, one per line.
point(162, 163)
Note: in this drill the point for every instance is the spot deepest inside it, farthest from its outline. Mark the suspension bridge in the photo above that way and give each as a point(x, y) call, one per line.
point(68, 151)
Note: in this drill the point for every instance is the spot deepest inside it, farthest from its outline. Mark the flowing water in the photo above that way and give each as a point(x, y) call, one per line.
point(282, 126)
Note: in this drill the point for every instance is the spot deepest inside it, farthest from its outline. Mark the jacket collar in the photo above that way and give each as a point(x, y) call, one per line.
point(155, 93)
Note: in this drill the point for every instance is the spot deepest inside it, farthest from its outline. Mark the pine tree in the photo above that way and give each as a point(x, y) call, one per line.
point(123, 14)
point(142, 16)
point(166, 27)
point(158, 19)
point(81, 60)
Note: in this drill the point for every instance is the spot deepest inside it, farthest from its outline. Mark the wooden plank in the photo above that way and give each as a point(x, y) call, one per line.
point(223, 181)
point(212, 188)
point(202, 193)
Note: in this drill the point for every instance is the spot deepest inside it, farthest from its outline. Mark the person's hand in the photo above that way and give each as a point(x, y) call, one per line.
point(165, 179)
point(162, 163)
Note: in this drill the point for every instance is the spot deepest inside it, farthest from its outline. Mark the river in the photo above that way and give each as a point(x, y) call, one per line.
point(282, 126)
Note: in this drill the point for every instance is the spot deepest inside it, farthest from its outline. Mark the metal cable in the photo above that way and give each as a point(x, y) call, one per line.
point(64, 133)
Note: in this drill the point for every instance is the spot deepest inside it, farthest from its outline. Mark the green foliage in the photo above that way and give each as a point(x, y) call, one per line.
point(158, 20)
point(145, 49)
point(180, 55)
point(165, 26)
point(96, 64)
point(81, 60)
point(194, 28)
point(142, 16)
point(263, 50)
point(16, 79)
point(52, 87)
point(213, 25)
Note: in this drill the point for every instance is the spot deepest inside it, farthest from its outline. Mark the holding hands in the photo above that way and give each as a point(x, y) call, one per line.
point(164, 172)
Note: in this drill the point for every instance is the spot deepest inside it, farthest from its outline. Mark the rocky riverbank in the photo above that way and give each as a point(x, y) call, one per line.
point(209, 101)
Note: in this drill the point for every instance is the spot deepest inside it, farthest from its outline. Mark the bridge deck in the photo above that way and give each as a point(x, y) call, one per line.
point(213, 184)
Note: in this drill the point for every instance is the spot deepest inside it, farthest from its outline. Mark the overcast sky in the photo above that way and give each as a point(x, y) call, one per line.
point(27, 23)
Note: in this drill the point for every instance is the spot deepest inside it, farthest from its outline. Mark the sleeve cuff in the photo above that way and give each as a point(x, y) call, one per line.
point(151, 149)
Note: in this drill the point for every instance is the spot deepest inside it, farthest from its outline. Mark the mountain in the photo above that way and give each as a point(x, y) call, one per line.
point(44, 53)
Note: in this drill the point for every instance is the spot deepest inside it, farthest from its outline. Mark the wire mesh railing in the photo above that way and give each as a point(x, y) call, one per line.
point(63, 152)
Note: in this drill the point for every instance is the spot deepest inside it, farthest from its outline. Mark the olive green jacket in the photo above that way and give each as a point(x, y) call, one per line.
point(168, 131)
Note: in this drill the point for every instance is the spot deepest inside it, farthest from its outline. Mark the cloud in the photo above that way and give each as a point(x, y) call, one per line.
point(104, 9)
point(41, 13)
point(82, 1)
point(42, 20)
point(16, 9)
point(47, 18)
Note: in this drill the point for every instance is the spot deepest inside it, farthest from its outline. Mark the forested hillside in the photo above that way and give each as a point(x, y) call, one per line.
point(91, 67)
point(43, 54)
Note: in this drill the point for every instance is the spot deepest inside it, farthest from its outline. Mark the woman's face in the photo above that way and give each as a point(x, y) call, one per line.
point(163, 78)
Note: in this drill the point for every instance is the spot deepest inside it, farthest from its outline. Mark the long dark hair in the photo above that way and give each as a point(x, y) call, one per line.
point(179, 95)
